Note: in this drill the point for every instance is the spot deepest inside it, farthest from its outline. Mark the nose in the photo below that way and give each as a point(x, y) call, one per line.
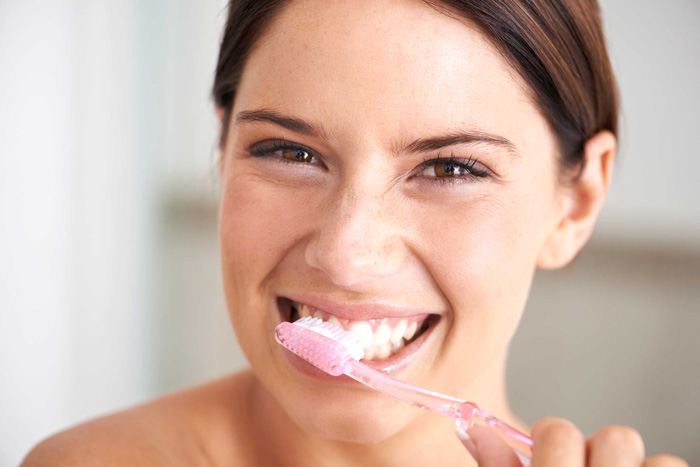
point(356, 241)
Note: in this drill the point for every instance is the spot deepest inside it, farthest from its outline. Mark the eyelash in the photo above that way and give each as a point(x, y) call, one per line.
point(276, 145)
point(467, 164)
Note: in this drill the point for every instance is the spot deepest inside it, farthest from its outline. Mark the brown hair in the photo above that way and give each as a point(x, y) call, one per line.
point(557, 47)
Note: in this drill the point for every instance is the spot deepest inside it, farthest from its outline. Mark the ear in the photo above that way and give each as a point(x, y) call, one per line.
point(580, 204)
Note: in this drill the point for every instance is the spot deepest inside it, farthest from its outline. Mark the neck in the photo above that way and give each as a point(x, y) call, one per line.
point(277, 440)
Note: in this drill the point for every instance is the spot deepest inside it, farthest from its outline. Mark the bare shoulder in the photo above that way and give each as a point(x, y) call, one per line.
point(196, 426)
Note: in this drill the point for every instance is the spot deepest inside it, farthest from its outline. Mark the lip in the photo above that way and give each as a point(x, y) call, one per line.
point(358, 310)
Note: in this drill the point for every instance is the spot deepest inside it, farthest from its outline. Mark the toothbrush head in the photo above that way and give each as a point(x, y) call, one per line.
point(325, 346)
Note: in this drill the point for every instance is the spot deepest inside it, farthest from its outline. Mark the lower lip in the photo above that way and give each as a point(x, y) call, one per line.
point(391, 365)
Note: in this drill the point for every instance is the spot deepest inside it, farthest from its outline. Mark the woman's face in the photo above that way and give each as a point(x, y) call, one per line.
point(367, 216)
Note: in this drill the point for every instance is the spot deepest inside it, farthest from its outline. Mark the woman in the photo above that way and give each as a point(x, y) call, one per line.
point(406, 161)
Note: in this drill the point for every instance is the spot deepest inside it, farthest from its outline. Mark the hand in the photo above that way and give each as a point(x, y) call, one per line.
point(558, 443)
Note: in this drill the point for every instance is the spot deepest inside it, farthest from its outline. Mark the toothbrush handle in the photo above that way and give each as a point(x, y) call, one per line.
point(465, 413)
point(471, 414)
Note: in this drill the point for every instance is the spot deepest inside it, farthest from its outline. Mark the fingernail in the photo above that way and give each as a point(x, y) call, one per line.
point(468, 443)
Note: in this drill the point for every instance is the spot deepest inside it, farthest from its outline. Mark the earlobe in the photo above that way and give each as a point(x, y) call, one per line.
point(580, 204)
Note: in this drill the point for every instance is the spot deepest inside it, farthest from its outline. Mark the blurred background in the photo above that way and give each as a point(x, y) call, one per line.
point(110, 288)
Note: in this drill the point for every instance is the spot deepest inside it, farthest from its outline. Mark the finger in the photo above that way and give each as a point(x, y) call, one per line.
point(557, 443)
point(616, 445)
point(664, 460)
point(491, 450)
point(467, 442)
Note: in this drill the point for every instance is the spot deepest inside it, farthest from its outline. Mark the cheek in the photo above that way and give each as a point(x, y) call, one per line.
point(483, 256)
point(255, 222)
point(256, 229)
point(250, 232)
point(259, 222)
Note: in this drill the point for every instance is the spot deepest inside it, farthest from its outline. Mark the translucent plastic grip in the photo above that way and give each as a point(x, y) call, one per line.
point(466, 414)
point(331, 356)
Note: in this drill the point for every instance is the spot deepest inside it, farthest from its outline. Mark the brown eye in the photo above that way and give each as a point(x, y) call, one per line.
point(285, 151)
point(449, 169)
point(452, 170)
point(297, 155)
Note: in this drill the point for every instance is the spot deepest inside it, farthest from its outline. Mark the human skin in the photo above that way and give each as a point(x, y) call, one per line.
point(366, 227)
point(356, 223)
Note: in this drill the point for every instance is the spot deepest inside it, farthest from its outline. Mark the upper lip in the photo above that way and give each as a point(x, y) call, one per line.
point(357, 310)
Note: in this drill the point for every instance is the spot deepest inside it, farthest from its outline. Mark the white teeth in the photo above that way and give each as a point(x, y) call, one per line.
point(410, 331)
point(398, 346)
point(363, 333)
point(382, 335)
point(397, 332)
point(378, 344)
point(384, 351)
point(335, 322)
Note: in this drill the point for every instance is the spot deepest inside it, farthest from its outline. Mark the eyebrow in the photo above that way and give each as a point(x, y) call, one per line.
point(303, 127)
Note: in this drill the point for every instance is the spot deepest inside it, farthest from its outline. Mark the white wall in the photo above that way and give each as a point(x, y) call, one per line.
point(654, 48)
point(109, 287)
point(78, 216)
point(36, 222)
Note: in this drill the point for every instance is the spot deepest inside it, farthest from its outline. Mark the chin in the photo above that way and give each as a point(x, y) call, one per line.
point(358, 421)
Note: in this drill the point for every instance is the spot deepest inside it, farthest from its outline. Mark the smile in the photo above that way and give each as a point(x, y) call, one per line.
point(381, 338)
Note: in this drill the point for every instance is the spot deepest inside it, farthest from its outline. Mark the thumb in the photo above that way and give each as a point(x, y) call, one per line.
point(467, 442)
point(487, 448)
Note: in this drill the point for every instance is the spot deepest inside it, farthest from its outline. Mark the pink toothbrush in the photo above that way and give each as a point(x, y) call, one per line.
point(337, 352)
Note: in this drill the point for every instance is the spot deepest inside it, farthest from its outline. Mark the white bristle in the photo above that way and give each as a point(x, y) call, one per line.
point(341, 336)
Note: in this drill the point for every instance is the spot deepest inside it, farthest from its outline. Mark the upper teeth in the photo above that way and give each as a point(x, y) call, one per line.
point(363, 332)
point(385, 338)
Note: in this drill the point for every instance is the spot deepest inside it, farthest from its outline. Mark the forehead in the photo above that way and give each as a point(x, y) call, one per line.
point(382, 66)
